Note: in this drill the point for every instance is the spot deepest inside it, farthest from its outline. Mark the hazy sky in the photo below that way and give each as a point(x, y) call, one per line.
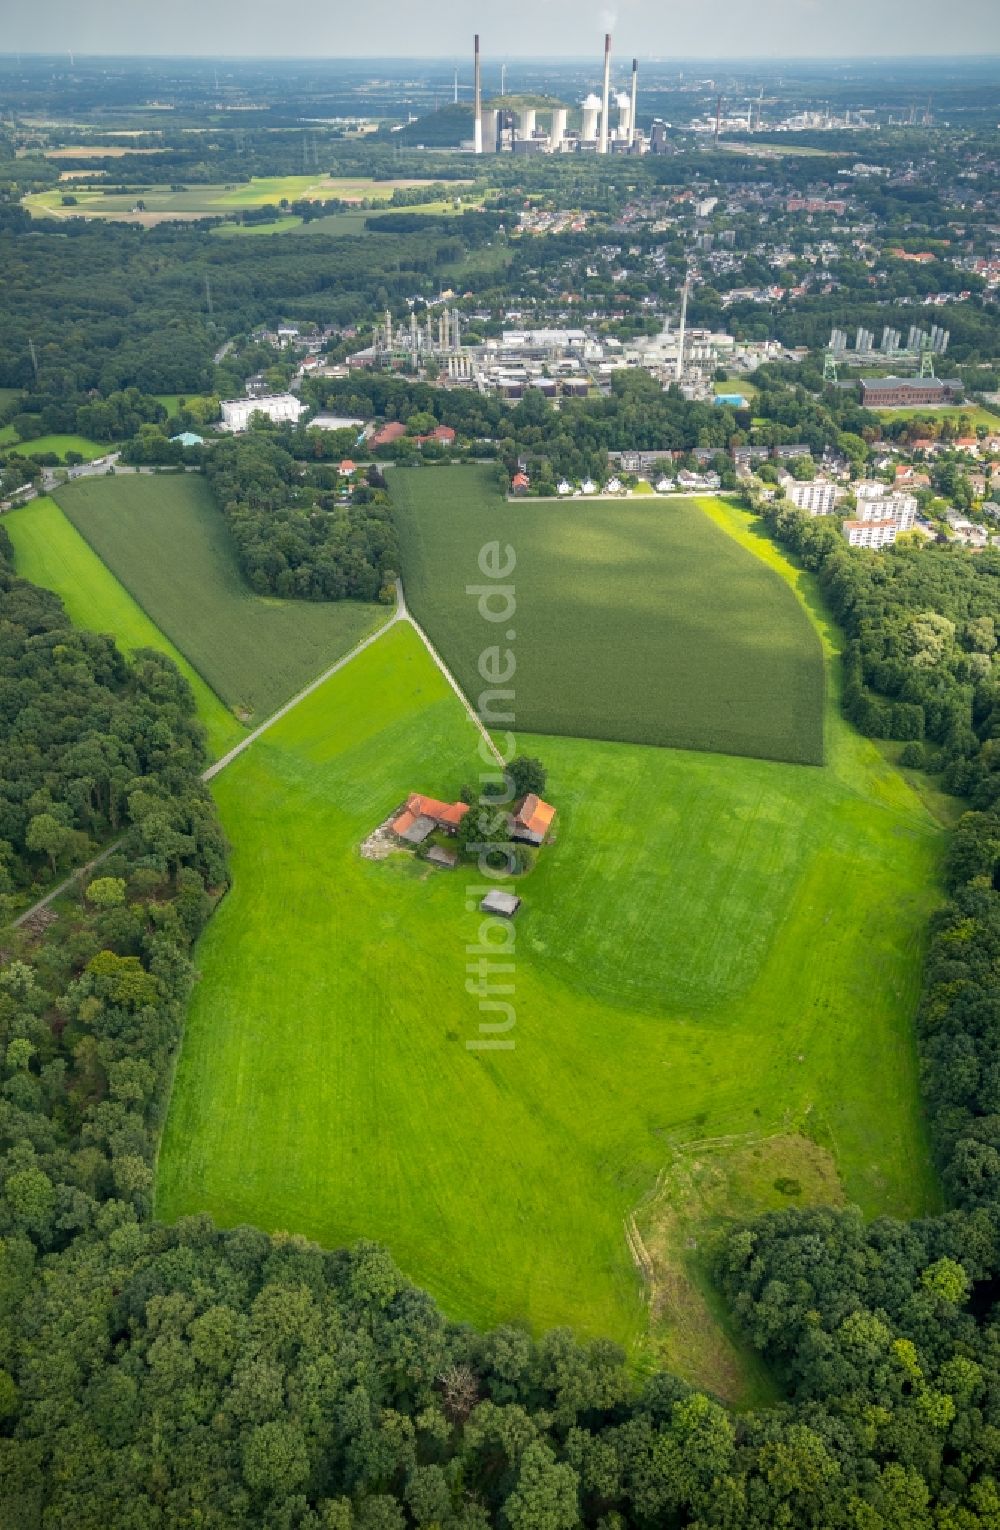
point(440, 28)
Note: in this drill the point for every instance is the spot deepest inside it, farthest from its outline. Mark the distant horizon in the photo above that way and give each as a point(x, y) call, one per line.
point(82, 55)
point(800, 30)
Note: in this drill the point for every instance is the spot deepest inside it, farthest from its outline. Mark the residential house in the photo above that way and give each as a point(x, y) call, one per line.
point(386, 434)
point(422, 815)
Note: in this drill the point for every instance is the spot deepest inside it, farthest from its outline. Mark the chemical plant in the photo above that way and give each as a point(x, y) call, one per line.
point(608, 122)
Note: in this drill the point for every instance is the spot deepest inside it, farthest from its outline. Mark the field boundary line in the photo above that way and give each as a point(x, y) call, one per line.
point(470, 711)
point(227, 759)
point(640, 1254)
point(401, 614)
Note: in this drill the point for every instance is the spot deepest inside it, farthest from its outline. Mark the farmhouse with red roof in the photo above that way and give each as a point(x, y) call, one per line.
point(422, 815)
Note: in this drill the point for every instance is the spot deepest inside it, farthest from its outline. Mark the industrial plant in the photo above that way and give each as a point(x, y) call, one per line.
point(608, 122)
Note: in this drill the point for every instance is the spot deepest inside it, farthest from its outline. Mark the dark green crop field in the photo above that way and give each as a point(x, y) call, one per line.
point(634, 620)
point(166, 542)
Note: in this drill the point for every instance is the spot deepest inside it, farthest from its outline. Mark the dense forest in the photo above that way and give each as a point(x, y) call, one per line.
point(90, 746)
point(109, 307)
point(920, 663)
point(299, 538)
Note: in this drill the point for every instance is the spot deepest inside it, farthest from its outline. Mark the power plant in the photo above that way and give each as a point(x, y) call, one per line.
point(496, 129)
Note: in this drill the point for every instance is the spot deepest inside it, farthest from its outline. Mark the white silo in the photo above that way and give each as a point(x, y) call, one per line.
point(591, 116)
point(559, 118)
point(526, 123)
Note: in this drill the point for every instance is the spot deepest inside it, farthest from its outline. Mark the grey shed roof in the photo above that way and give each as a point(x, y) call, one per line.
point(497, 902)
point(418, 831)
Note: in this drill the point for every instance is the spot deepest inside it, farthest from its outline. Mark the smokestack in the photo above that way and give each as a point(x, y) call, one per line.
point(680, 341)
point(718, 118)
point(635, 97)
point(602, 145)
point(478, 132)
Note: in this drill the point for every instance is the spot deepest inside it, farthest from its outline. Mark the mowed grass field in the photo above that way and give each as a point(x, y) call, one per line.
point(640, 622)
point(49, 551)
point(60, 445)
point(165, 540)
point(712, 948)
point(974, 413)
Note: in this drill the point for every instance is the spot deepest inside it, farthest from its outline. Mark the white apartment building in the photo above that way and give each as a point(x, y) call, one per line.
point(819, 498)
point(236, 412)
point(900, 508)
point(874, 534)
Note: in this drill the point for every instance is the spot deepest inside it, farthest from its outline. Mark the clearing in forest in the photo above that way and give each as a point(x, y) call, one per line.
point(165, 539)
point(636, 620)
point(711, 948)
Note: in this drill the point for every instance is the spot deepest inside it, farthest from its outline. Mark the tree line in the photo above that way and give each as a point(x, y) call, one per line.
point(920, 662)
point(294, 534)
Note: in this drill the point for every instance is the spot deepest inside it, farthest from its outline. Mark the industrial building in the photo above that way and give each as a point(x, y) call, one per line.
point(608, 122)
point(894, 392)
point(236, 412)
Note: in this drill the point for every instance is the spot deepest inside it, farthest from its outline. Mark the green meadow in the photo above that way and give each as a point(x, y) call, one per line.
point(712, 950)
point(635, 620)
point(60, 445)
point(212, 200)
point(172, 401)
point(163, 537)
point(974, 414)
point(49, 551)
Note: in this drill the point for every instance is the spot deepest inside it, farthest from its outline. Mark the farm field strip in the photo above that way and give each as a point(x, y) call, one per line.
point(50, 552)
point(166, 541)
point(636, 620)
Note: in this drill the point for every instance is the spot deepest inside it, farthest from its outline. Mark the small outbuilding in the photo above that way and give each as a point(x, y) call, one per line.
point(533, 820)
point(413, 827)
point(502, 903)
point(438, 856)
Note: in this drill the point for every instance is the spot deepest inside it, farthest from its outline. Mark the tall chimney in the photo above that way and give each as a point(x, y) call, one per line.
point(478, 132)
point(635, 97)
point(602, 143)
point(679, 372)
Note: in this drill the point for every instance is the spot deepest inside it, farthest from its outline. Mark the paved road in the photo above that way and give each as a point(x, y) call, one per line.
point(401, 614)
